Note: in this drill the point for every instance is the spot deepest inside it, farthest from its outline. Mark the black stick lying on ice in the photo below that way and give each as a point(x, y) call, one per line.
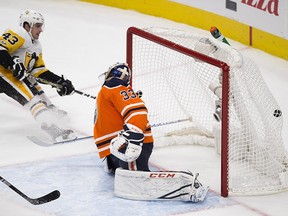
point(37, 201)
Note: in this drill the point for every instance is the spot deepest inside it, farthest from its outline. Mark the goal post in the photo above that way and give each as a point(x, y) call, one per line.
point(133, 31)
point(181, 67)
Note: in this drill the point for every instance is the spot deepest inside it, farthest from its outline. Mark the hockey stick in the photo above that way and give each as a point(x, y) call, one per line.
point(37, 201)
point(84, 94)
point(58, 86)
point(42, 143)
point(139, 92)
point(170, 122)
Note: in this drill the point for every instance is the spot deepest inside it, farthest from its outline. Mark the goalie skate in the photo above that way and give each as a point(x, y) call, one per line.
point(200, 191)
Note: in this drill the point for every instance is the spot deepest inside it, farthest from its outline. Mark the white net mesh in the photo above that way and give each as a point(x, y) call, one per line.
point(181, 106)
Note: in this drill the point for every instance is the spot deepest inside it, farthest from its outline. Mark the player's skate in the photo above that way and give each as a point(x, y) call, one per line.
point(198, 192)
point(61, 114)
point(59, 134)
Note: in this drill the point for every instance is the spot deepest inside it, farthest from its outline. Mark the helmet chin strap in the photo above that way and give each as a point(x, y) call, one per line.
point(30, 31)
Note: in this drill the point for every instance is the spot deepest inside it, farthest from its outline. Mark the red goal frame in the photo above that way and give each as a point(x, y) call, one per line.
point(225, 88)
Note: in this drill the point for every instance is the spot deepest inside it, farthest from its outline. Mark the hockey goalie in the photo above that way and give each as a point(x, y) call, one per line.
point(124, 140)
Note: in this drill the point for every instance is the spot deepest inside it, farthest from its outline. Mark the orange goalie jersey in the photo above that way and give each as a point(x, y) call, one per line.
point(116, 106)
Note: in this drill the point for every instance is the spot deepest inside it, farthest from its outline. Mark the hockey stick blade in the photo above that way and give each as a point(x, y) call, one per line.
point(37, 201)
point(40, 142)
point(44, 199)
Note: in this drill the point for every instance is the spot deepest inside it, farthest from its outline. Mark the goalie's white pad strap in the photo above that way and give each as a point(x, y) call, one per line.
point(140, 185)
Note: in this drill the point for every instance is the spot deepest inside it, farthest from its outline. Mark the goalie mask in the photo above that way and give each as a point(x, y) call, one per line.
point(120, 71)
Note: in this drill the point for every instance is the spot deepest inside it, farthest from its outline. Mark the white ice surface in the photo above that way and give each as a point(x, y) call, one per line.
point(82, 40)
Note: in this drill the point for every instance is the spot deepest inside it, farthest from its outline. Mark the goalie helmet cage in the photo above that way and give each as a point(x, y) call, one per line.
point(180, 66)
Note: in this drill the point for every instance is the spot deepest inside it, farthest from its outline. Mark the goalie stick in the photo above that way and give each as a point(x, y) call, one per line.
point(36, 201)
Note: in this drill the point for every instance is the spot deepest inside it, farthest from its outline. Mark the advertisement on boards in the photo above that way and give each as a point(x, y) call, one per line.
point(267, 15)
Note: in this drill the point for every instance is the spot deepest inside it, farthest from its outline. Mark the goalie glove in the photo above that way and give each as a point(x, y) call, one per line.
point(18, 68)
point(127, 146)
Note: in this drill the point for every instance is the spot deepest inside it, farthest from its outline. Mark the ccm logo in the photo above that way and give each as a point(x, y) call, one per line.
point(161, 175)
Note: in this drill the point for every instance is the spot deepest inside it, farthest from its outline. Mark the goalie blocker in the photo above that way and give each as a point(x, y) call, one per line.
point(170, 185)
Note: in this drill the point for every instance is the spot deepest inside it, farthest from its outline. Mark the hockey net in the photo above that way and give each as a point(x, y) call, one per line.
point(175, 70)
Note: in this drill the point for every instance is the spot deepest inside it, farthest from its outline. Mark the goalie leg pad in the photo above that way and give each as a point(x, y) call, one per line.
point(172, 185)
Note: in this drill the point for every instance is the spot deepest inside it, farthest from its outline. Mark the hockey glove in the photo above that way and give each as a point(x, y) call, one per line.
point(127, 146)
point(18, 68)
point(65, 87)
